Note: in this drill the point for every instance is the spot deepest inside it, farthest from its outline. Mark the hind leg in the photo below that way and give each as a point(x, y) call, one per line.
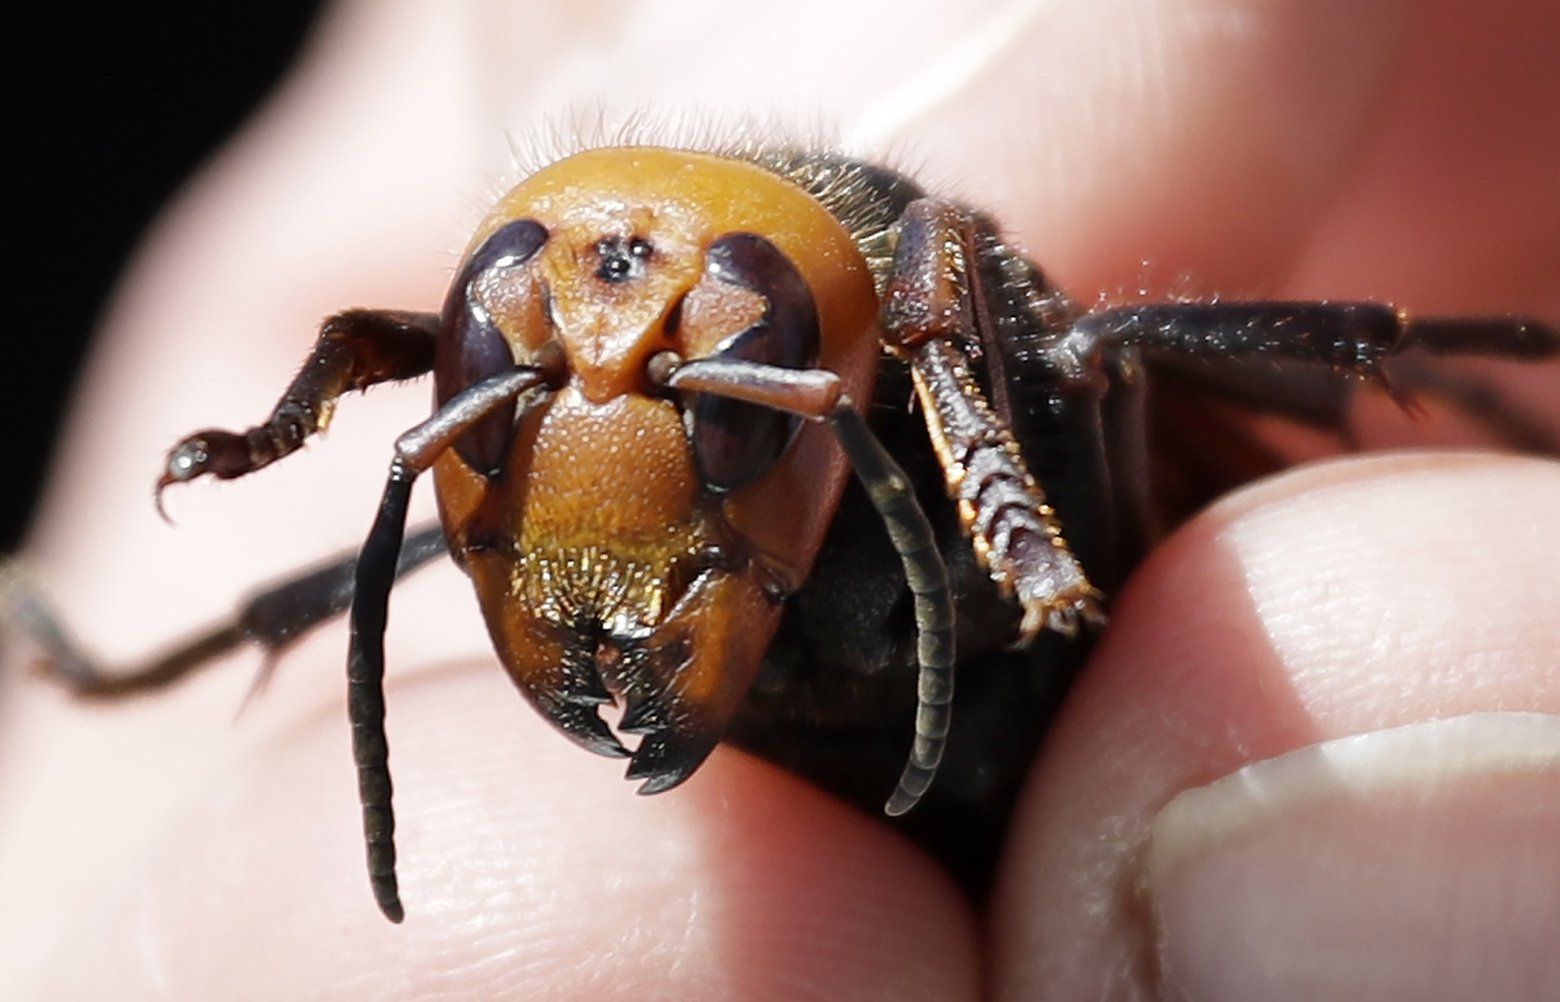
point(273, 618)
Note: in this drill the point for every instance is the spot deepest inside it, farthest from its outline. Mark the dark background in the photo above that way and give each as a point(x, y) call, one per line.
point(124, 102)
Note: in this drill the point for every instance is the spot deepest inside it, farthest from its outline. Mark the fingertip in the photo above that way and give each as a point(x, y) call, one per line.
point(1341, 599)
point(1448, 823)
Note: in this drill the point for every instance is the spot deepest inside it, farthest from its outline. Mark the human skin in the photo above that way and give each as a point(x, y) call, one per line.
point(1405, 152)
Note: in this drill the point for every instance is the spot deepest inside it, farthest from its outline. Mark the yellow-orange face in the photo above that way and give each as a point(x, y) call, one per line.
point(626, 544)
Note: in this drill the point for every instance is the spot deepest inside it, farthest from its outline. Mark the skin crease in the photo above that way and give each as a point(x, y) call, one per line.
point(1260, 148)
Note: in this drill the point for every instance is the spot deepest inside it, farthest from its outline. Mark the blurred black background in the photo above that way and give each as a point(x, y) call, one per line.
point(119, 102)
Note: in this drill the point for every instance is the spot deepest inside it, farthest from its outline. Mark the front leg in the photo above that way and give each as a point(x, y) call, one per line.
point(935, 316)
point(355, 350)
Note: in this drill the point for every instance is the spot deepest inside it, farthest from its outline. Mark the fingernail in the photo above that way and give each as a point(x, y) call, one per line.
point(1421, 862)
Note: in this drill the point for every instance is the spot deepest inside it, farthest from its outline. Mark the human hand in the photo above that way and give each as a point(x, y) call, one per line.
point(1280, 149)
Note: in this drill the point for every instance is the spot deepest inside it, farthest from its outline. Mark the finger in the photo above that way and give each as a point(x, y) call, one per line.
point(528, 871)
point(258, 224)
point(1199, 139)
point(1451, 206)
point(1339, 600)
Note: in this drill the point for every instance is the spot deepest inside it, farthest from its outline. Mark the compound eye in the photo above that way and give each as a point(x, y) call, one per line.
point(471, 347)
point(735, 443)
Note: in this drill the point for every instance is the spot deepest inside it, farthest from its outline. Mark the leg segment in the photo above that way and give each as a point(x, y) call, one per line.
point(1353, 337)
point(274, 618)
point(415, 452)
point(816, 394)
point(1248, 353)
point(355, 350)
point(935, 316)
point(1124, 424)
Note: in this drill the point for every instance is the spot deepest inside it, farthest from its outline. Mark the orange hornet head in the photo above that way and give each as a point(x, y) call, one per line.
point(629, 546)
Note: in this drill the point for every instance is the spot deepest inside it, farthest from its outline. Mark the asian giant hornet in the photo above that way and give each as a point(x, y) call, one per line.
point(654, 372)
